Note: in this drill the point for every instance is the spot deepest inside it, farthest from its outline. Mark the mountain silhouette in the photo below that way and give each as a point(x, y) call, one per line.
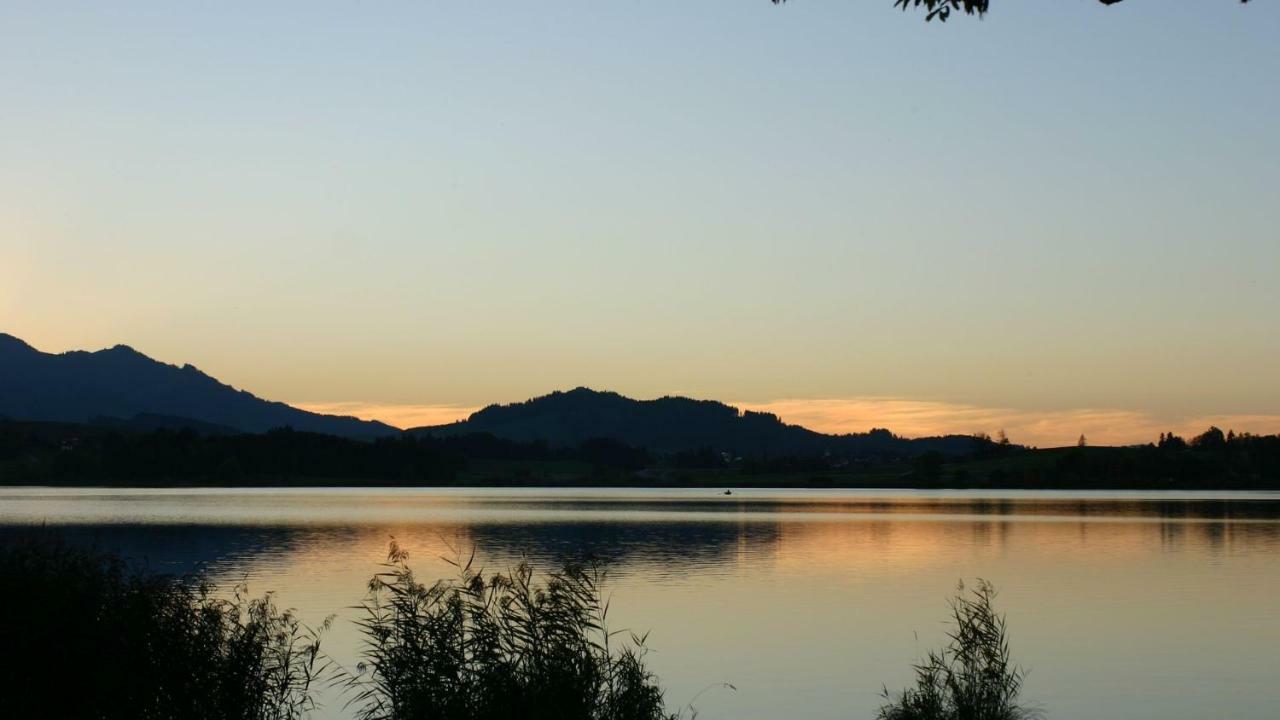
point(123, 389)
point(677, 424)
point(121, 386)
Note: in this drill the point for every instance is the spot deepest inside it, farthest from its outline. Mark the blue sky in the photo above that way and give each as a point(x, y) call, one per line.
point(1061, 208)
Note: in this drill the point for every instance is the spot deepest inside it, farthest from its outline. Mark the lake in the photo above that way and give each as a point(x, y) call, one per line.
point(1122, 605)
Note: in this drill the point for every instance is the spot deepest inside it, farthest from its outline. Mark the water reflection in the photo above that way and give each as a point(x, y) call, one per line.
point(663, 531)
point(1162, 606)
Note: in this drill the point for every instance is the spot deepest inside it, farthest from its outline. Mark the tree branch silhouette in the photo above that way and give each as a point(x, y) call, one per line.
point(942, 9)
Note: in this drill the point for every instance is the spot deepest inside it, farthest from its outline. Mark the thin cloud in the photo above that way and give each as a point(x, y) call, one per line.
point(1050, 428)
point(401, 416)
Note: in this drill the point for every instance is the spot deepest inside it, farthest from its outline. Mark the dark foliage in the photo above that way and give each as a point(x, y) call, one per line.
point(607, 452)
point(47, 453)
point(497, 646)
point(928, 467)
point(63, 454)
point(942, 9)
point(1211, 459)
point(57, 454)
point(972, 677)
point(786, 465)
point(86, 637)
point(704, 457)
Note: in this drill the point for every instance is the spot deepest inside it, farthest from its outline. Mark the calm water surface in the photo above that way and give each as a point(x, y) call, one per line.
point(1122, 605)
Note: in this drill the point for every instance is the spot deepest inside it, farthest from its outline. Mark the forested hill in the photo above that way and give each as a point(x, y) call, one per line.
point(121, 382)
point(121, 387)
point(678, 424)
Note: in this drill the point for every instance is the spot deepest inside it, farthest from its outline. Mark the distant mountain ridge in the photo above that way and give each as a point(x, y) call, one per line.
point(121, 388)
point(124, 384)
point(678, 424)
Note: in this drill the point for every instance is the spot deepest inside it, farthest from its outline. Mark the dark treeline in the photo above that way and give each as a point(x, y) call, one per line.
point(107, 454)
point(140, 453)
point(53, 453)
point(1211, 460)
point(1227, 459)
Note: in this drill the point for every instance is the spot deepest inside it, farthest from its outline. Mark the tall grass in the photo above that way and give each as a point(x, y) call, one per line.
point(497, 646)
point(972, 677)
point(84, 636)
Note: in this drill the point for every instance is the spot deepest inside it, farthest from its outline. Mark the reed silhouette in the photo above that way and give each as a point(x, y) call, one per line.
point(972, 677)
point(500, 645)
point(86, 636)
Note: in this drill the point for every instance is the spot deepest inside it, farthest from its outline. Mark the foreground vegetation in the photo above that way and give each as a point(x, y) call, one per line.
point(972, 677)
point(86, 636)
point(479, 647)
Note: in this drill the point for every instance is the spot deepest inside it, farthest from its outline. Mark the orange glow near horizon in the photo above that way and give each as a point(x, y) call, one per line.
point(401, 416)
point(1050, 428)
point(906, 417)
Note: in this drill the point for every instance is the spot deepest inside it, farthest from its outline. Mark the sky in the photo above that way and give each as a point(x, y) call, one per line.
point(1060, 219)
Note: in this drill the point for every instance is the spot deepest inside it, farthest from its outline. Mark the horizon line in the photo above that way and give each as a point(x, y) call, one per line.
point(904, 416)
